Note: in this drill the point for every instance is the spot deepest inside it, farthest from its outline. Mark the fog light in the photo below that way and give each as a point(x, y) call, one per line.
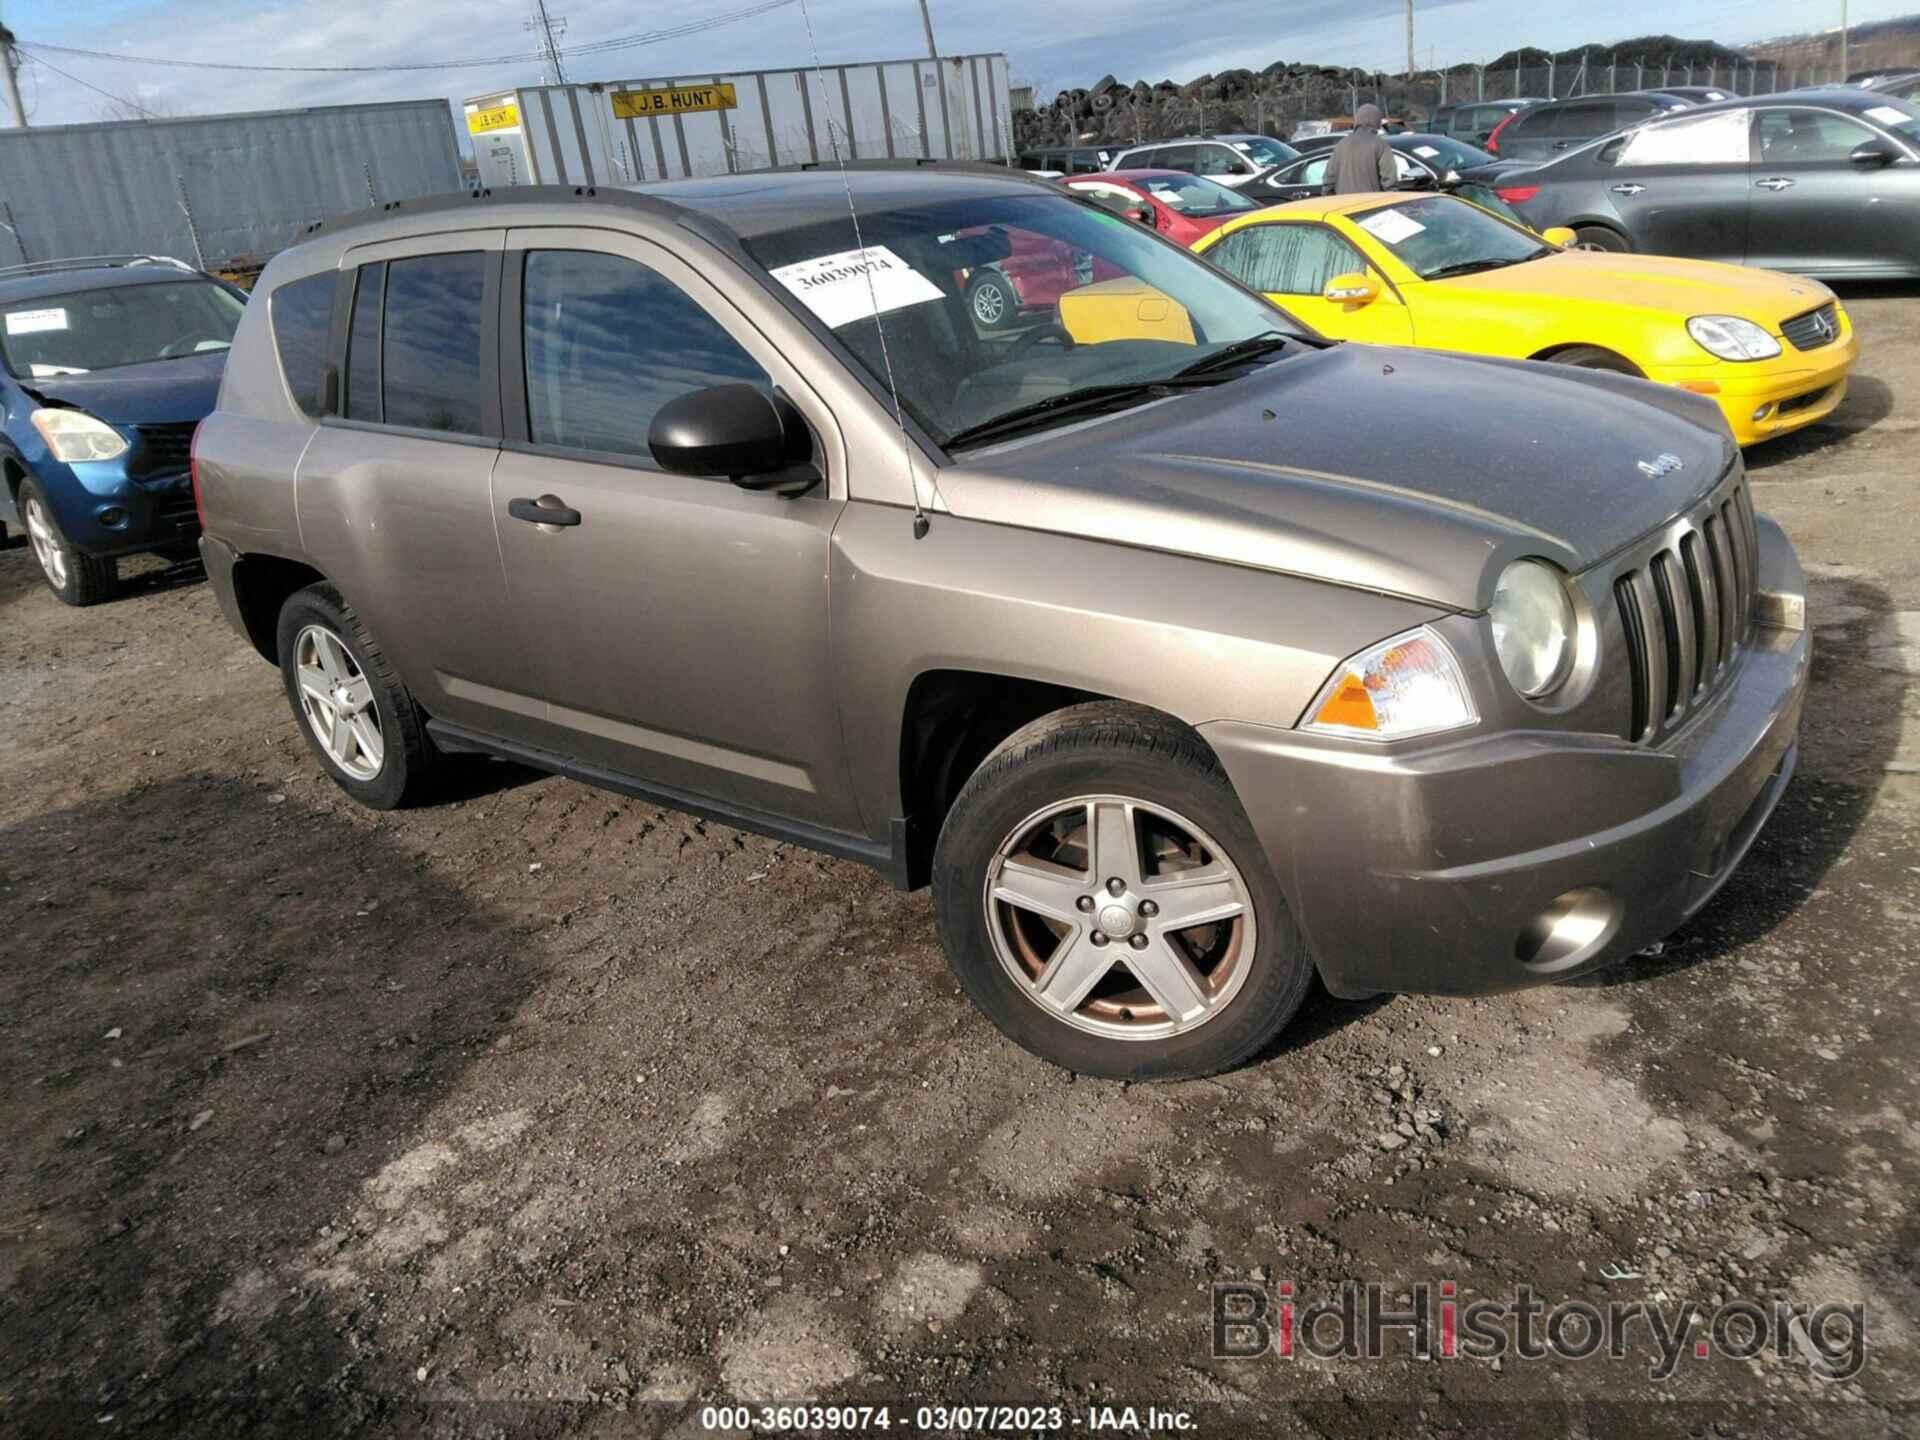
point(1568, 932)
point(1763, 412)
point(113, 517)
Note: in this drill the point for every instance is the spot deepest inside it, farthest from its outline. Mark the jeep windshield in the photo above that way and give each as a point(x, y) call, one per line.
point(79, 331)
point(995, 305)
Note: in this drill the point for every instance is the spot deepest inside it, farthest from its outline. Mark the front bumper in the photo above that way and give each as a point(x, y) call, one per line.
point(1515, 858)
point(1765, 399)
point(104, 510)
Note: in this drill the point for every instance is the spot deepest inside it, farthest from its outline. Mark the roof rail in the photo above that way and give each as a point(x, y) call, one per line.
point(92, 262)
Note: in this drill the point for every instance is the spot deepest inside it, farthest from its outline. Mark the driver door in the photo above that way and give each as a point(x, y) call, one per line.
point(1292, 262)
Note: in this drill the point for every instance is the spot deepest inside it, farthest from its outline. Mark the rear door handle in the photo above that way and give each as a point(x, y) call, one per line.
point(1775, 183)
point(1626, 189)
point(547, 510)
point(1561, 144)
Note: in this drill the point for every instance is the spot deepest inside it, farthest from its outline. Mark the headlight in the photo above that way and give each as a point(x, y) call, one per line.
point(75, 435)
point(1732, 338)
point(1533, 627)
point(1408, 685)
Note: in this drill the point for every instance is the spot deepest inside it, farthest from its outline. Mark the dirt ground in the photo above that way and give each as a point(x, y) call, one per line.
point(548, 1112)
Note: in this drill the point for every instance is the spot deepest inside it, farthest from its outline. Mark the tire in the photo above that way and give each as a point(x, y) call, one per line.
point(1592, 357)
point(1599, 237)
point(992, 293)
point(74, 578)
point(385, 760)
point(1100, 766)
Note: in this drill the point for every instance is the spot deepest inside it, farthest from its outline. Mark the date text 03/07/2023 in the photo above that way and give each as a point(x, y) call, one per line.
point(946, 1419)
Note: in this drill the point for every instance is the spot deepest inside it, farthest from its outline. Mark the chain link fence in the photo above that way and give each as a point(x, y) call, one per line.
point(1274, 103)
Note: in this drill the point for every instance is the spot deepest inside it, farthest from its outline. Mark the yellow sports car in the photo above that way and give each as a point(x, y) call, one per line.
point(1435, 271)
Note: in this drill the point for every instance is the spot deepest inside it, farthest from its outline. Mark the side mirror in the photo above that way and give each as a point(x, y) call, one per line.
point(1871, 154)
point(1560, 237)
point(1352, 291)
point(738, 433)
point(1144, 214)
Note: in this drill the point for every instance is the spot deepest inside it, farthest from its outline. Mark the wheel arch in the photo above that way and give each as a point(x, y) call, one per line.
point(1564, 347)
point(952, 720)
point(262, 585)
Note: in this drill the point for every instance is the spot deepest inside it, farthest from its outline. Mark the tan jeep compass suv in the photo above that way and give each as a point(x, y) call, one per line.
point(1184, 653)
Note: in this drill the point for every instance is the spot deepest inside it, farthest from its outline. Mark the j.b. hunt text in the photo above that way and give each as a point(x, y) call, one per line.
point(1432, 1321)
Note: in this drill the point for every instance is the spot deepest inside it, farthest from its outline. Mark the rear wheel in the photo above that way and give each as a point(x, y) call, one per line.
point(1592, 357)
point(1101, 896)
point(74, 578)
point(1599, 237)
point(358, 716)
point(992, 301)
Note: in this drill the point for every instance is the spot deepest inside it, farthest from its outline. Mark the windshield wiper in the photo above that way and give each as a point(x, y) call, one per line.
point(1088, 399)
point(1472, 267)
point(1239, 350)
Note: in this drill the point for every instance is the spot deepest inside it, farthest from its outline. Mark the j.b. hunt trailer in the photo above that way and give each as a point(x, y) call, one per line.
point(634, 131)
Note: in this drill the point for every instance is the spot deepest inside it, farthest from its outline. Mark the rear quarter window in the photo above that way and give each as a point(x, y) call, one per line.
point(302, 312)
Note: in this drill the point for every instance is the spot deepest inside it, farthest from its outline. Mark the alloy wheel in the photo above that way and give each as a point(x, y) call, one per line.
point(336, 699)
point(989, 304)
point(1120, 917)
point(46, 544)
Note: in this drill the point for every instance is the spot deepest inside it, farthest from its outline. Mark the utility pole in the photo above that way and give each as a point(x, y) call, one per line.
point(926, 24)
point(10, 63)
point(1410, 65)
point(548, 27)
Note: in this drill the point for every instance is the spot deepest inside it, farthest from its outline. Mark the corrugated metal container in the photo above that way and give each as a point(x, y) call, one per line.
point(634, 131)
point(219, 190)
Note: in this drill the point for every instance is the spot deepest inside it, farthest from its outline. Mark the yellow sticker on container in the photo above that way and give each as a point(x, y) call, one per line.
point(680, 100)
point(481, 119)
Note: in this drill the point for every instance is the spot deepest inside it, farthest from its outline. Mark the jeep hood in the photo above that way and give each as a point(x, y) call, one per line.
point(1413, 473)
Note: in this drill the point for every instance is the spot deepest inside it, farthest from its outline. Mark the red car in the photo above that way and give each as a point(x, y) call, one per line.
point(1182, 207)
point(1038, 272)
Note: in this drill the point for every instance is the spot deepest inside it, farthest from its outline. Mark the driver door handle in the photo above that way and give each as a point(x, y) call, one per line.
point(547, 510)
point(1774, 182)
point(1626, 189)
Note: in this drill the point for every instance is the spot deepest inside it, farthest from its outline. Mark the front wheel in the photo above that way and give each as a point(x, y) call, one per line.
point(357, 715)
point(1101, 896)
point(1592, 357)
point(75, 578)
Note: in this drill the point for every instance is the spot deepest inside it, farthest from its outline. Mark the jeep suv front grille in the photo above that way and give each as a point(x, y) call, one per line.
point(1813, 329)
point(1686, 606)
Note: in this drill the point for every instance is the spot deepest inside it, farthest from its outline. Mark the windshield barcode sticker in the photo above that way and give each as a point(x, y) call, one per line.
point(32, 322)
point(1392, 226)
point(856, 284)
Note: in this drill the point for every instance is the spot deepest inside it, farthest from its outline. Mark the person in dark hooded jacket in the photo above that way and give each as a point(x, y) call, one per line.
point(1362, 161)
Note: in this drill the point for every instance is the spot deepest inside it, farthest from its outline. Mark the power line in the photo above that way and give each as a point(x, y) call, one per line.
point(598, 47)
point(130, 104)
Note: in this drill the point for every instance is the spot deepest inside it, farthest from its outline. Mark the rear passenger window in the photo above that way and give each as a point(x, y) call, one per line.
point(430, 342)
point(301, 313)
point(363, 345)
point(608, 342)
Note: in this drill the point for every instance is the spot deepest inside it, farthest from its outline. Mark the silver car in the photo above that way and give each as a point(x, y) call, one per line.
point(1186, 654)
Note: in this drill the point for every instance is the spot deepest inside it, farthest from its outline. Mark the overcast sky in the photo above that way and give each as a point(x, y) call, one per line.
point(1064, 43)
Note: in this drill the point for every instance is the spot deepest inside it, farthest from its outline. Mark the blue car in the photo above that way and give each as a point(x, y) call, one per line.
point(108, 366)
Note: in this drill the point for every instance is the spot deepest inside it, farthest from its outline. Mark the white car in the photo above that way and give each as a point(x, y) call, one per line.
point(1229, 159)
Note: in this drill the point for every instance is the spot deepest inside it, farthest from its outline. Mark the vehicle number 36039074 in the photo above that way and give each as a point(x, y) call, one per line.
point(859, 1419)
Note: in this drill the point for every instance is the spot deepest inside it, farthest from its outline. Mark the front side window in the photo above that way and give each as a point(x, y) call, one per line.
point(1220, 160)
point(80, 331)
point(1286, 258)
point(430, 363)
point(302, 314)
point(608, 342)
point(1266, 153)
point(1437, 236)
point(1806, 137)
point(1106, 303)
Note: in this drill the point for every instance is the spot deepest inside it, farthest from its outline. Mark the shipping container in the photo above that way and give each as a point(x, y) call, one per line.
point(630, 132)
point(222, 191)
